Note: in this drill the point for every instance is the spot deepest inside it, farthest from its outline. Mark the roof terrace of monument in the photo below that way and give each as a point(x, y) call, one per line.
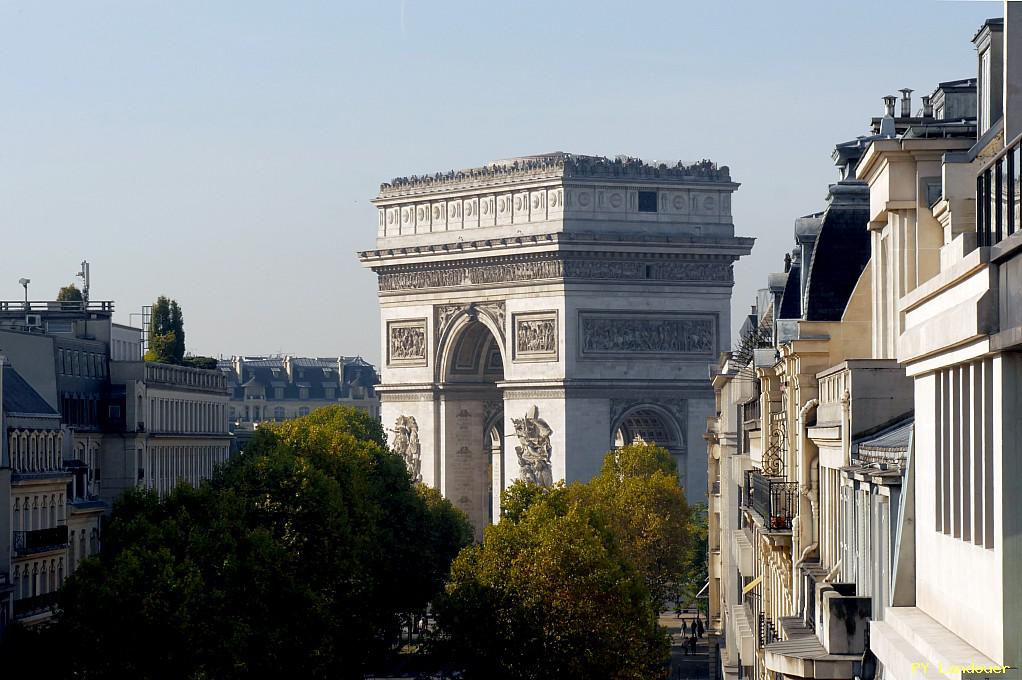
point(557, 165)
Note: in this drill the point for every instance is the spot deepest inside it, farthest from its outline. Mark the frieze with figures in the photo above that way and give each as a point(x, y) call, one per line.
point(509, 272)
point(536, 336)
point(631, 335)
point(406, 341)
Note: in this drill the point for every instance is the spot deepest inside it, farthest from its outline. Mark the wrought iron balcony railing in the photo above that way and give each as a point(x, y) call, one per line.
point(36, 604)
point(998, 187)
point(40, 540)
point(775, 500)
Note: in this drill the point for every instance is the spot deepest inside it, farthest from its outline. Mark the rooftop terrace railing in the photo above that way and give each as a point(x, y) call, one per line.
point(37, 306)
point(998, 187)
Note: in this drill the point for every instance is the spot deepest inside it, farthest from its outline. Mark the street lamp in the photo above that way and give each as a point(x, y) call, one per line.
point(24, 284)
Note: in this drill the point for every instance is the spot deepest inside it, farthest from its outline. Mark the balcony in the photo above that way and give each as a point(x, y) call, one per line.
point(38, 604)
point(751, 412)
point(40, 540)
point(997, 195)
point(773, 499)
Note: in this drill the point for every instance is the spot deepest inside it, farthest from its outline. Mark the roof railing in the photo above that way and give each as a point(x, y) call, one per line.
point(998, 195)
point(36, 306)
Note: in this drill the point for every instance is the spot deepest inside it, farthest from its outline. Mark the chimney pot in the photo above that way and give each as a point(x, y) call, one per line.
point(889, 105)
point(906, 102)
point(927, 107)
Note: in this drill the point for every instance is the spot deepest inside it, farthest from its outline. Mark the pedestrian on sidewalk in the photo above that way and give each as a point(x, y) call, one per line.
point(700, 627)
point(684, 628)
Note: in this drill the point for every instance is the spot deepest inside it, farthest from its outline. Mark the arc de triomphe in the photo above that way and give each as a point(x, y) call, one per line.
point(541, 310)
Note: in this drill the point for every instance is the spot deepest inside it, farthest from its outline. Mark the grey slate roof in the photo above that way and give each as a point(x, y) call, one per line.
point(893, 440)
point(841, 253)
point(316, 375)
point(20, 398)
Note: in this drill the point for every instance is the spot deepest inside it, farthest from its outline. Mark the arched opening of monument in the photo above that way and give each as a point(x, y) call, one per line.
point(652, 426)
point(473, 421)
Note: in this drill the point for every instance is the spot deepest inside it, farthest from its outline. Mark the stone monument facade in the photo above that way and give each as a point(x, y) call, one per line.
point(541, 310)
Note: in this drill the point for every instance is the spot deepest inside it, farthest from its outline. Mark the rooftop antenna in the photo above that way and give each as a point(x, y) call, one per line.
point(84, 274)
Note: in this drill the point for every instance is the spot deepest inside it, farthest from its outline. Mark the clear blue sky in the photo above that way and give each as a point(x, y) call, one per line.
point(224, 153)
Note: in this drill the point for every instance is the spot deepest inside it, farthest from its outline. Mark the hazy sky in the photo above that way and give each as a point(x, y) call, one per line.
point(225, 153)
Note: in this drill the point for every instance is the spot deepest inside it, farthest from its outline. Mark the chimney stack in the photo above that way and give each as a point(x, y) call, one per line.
point(906, 102)
point(927, 107)
point(889, 105)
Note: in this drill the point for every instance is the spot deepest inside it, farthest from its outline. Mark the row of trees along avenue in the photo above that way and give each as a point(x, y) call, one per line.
point(300, 558)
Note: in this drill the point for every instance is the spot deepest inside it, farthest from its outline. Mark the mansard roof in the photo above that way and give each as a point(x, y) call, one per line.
point(314, 375)
point(20, 398)
point(841, 252)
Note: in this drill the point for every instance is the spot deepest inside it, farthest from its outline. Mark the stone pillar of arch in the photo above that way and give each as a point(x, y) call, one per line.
point(555, 304)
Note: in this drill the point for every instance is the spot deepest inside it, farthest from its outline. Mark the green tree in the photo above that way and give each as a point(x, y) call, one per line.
point(69, 293)
point(208, 363)
point(294, 561)
point(166, 332)
point(549, 596)
point(70, 296)
point(638, 495)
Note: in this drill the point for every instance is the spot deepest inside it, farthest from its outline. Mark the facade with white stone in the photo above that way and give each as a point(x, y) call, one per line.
point(539, 311)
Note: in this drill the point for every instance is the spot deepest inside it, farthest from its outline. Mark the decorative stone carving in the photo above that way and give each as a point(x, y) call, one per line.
point(604, 269)
point(642, 335)
point(406, 445)
point(406, 342)
point(534, 448)
point(491, 407)
point(497, 271)
point(446, 314)
point(691, 271)
point(471, 275)
point(536, 336)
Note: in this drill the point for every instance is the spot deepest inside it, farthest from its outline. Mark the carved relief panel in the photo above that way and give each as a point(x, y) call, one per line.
point(644, 335)
point(535, 336)
point(406, 342)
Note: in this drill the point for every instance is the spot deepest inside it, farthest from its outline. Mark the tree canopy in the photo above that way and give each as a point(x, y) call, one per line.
point(549, 596)
point(69, 293)
point(639, 497)
point(569, 583)
point(166, 332)
point(293, 562)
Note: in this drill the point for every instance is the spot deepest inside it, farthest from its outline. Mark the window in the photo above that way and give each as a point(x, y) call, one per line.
point(278, 413)
point(647, 201)
point(303, 411)
point(278, 392)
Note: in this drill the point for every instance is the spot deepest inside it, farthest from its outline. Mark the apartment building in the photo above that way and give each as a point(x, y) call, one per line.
point(864, 458)
point(80, 428)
